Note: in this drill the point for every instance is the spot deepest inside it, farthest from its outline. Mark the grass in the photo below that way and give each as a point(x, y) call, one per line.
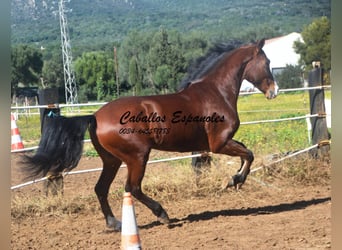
point(265, 138)
point(23, 205)
point(29, 129)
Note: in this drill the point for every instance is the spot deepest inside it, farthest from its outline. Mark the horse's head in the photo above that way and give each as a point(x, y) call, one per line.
point(257, 71)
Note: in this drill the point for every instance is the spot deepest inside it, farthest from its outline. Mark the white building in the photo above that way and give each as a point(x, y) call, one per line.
point(280, 51)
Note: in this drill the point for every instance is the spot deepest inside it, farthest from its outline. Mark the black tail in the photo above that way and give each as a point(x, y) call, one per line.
point(60, 146)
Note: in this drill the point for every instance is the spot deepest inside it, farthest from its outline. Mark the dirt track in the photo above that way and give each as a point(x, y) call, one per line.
point(275, 216)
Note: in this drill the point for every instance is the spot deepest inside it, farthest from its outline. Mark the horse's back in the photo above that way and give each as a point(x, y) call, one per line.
point(151, 121)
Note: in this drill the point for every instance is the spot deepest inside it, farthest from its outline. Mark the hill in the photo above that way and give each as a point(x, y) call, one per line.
point(99, 22)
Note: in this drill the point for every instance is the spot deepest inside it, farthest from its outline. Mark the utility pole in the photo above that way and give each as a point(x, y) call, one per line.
point(69, 75)
point(116, 73)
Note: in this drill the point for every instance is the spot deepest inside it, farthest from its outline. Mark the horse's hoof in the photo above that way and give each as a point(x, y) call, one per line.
point(231, 183)
point(235, 182)
point(164, 218)
point(114, 224)
point(227, 184)
point(117, 226)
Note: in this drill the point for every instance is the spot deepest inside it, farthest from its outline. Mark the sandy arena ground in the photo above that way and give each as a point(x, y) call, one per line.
point(275, 216)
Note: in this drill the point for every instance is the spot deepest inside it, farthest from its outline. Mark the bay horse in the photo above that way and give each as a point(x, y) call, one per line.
point(202, 116)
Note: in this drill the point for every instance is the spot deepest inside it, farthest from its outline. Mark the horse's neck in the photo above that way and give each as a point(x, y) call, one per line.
point(228, 76)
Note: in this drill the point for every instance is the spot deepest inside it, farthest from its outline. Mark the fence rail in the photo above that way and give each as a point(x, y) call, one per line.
point(55, 105)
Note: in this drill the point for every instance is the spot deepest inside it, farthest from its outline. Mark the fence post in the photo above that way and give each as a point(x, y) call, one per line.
point(200, 163)
point(318, 124)
point(48, 97)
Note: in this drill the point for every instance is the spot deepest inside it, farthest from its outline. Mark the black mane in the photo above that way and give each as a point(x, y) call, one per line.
point(203, 64)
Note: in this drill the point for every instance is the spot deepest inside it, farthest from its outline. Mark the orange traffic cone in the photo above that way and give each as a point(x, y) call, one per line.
point(16, 139)
point(129, 232)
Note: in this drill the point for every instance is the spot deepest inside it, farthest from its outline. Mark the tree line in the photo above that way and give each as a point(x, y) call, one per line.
point(145, 63)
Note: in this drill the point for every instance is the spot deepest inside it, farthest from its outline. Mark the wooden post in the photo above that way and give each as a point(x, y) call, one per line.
point(319, 127)
point(200, 164)
point(54, 185)
point(116, 73)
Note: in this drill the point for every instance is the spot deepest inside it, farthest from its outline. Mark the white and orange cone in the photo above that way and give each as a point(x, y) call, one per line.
point(129, 231)
point(15, 135)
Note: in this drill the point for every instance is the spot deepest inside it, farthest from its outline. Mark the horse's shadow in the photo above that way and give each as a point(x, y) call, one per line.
point(272, 209)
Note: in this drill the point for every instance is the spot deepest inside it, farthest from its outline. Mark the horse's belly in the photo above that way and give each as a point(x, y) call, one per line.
point(181, 142)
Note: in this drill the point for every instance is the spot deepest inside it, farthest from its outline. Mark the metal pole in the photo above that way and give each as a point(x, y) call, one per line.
point(116, 72)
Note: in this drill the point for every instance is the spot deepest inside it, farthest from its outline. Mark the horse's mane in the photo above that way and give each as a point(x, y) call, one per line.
point(202, 65)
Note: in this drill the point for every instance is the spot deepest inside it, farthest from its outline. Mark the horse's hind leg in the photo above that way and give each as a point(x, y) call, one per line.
point(110, 167)
point(136, 171)
point(235, 148)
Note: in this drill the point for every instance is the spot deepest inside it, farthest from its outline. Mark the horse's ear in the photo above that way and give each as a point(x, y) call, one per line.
point(259, 45)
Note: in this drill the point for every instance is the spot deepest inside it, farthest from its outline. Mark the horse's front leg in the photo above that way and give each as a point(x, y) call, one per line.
point(136, 170)
point(235, 148)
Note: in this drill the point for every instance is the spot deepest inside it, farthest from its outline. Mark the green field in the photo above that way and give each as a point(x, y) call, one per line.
point(274, 137)
point(262, 138)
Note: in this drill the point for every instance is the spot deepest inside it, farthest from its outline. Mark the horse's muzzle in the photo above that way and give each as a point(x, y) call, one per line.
point(272, 93)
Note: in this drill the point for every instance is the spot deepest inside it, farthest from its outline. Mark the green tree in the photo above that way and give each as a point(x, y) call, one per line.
point(161, 77)
point(194, 46)
point(157, 57)
point(26, 66)
point(316, 45)
point(290, 77)
point(95, 76)
point(135, 45)
point(52, 72)
point(134, 76)
point(166, 61)
point(100, 86)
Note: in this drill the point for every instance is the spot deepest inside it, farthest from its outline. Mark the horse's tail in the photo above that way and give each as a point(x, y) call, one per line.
point(60, 146)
